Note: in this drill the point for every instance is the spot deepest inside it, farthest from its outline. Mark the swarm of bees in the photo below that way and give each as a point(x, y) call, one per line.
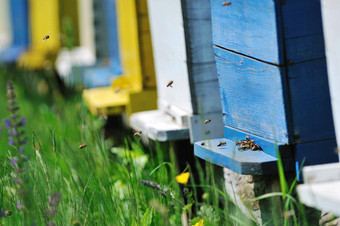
point(248, 144)
point(138, 134)
point(222, 143)
point(82, 146)
point(207, 121)
point(170, 84)
point(46, 37)
point(226, 3)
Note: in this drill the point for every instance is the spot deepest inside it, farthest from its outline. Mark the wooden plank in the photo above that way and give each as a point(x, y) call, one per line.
point(86, 25)
point(270, 147)
point(252, 95)
point(244, 162)
point(168, 40)
point(5, 25)
point(317, 152)
point(323, 196)
point(331, 23)
point(249, 27)
point(310, 101)
point(19, 30)
point(321, 173)
point(158, 126)
point(69, 23)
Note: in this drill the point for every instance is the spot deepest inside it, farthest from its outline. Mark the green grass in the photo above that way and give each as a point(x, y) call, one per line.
point(100, 184)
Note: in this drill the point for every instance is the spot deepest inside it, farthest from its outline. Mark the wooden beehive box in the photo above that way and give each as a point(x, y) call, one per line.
point(272, 73)
point(17, 26)
point(44, 20)
point(134, 89)
point(182, 44)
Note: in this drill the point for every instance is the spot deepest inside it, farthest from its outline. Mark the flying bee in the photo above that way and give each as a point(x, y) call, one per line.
point(46, 37)
point(117, 90)
point(137, 134)
point(207, 121)
point(203, 143)
point(170, 83)
point(247, 137)
point(82, 146)
point(221, 143)
point(226, 3)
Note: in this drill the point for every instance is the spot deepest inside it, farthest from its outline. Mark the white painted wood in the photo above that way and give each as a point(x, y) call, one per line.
point(169, 50)
point(331, 26)
point(158, 126)
point(5, 25)
point(86, 25)
point(321, 173)
point(324, 196)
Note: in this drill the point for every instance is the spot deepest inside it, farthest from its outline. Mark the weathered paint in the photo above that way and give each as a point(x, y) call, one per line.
point(273, 78)
point(44, 20)
point(5, 25)
point(18, 27)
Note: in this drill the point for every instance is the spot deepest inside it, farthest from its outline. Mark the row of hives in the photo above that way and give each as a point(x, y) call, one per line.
point(216, 71)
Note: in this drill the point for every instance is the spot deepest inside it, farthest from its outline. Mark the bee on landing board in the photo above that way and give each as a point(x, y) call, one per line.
point(170, 83)
point(221, 143)
point(138, 134)
point(207, 121)
point(82, 146)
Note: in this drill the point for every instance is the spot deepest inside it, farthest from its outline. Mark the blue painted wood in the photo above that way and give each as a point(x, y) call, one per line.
point(107, 46)
point(259, 28)
point(310, 101)
point(19, 23)
point(244, 162)
point(248, 27)
point(316, 153)
point(268, 146)
point(252, 95)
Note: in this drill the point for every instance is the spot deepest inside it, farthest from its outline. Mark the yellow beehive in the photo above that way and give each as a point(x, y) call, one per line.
point(134, 90)
point(44, 20)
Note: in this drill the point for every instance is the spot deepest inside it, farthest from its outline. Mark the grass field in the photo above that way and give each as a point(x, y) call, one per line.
point(53, 182)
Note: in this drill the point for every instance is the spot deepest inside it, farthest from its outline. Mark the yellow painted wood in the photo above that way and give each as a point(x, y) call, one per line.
point(44, 20)
point(69, 23)
point(137, 64)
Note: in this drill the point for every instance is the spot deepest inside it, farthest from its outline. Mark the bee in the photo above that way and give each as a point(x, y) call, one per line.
point(247, 138)
point(137, 134)
point(117, 90)
point(170, 83)
point(221, 143)
point(207, 121)
point(238, 142)
point(226, 3)
point(8, 213)
point(102, 116)
point(203, 143)
point(82, 146)
point(106, 62)
point(46, 37)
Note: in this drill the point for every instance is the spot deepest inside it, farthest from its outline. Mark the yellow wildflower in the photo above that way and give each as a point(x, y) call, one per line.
point(200, 223)
point(183, 178)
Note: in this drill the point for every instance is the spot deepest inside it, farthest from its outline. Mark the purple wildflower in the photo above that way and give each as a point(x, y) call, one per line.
point(21, 150)
point(2, 213)
point(19, 205)
point(7, 123)
point(23, 121)
point(13, 160)
point(10, 141)
point(24, 141)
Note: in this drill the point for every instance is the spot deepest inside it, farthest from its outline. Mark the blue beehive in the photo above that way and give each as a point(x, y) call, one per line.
point(19, 25)
point(273, 82)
